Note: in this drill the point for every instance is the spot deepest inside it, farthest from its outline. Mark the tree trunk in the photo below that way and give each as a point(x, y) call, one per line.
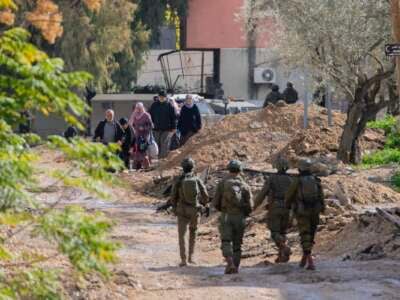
point(363, 109)
point(349, 148)
point(394, 106)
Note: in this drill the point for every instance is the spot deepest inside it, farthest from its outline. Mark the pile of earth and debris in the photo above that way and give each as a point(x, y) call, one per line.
point(373, 234)
point(257, 135)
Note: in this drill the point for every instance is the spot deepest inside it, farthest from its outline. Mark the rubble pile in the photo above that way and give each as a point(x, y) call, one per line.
point(257, 135)
point(371, 235)
point(354, 189)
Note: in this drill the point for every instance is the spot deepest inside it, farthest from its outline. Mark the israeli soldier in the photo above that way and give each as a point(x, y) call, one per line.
point(234, 200)
point(306, 197)
point(276, 187)
point(189, 194)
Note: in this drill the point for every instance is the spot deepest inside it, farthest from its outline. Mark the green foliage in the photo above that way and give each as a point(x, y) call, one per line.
point(30, 80)
point(387, 124)
point(93, 160)
point(95, 41)
point(382, 157)
point(391, 151)
point(81, 237)
point(32, 284)
point(153, 14)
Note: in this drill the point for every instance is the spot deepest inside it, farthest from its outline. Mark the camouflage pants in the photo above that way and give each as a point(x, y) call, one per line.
point(231, 228)
point(278, 222)
point(307, 223)
point(189, 218)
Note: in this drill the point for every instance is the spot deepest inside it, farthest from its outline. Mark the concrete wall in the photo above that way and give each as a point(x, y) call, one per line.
point(151, 73)
point(234, 74)
point(215, 24)
point(48, 125)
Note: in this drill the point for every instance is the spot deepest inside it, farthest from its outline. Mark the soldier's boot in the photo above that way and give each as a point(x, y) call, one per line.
point(278, 260)
point(230, 266)
point(236, 262)
point(183, 263)
point(285, 253)
point(303, 260)
point(310, 263)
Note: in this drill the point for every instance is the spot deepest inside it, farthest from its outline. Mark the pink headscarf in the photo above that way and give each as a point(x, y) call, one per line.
point(137, 113)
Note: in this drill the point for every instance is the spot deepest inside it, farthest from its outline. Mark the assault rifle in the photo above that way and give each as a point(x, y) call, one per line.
point(267, 173)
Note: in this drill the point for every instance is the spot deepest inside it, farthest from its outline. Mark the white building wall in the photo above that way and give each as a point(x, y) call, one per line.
point(184, 68)
point(234, 74)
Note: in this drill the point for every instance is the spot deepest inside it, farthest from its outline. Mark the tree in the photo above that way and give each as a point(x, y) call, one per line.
point(98, 36)
point(29, 79)
point(340, 42)
point(153, 14)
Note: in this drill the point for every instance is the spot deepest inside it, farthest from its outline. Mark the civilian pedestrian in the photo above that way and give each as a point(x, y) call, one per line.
point(164, 119)
point(108, 130)
point(189, 120)
point(142, 124)
point(128, 140)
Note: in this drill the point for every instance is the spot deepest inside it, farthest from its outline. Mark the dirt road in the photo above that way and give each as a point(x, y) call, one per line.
point(149, 257)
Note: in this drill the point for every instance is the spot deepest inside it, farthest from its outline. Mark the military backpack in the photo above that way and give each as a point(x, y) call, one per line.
point(279, 184)
point(190, 190)
point(234, 195)
point(310, 191)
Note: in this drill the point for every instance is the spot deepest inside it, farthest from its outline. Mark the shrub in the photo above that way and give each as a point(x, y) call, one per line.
point(29, 80)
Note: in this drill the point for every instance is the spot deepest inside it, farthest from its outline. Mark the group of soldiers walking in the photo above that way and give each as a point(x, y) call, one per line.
point(301, 194)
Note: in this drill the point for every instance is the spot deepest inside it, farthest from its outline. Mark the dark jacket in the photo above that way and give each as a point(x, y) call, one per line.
point(163, 116)
point(273, 98)
point(189, 120)
point(99, 132)
point(128, 139)
point(290, 95)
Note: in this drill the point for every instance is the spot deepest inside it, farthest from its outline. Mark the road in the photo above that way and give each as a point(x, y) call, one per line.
point(149, 258)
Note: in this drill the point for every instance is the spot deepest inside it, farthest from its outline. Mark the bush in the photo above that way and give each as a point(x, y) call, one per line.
point(382, 157)
point(390, 153)
point(388, 124)
point(29, 80)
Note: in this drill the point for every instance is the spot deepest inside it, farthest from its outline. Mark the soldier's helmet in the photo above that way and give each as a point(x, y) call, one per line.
point(187, 164)
point(305, 165)
point(235, 166)
point(280, 163)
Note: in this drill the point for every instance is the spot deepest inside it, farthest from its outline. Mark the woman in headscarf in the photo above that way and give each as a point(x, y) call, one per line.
point(189, 122)
point(142, 124)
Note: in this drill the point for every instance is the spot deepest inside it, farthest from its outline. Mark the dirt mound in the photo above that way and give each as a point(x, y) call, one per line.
point(368, 236)
point(256, 135)
point(356, 190)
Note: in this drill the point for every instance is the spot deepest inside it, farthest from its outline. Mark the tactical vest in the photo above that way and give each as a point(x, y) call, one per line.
point(233, 201)
point(189, 190)
point(279, 185)
point(309, 191)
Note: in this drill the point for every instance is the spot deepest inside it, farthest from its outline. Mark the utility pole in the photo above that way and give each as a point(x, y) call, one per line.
point(251, 48)
point(395, 13)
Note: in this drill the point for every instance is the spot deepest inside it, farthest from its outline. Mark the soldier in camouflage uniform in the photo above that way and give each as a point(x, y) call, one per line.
point(234, 200)
point(275, 187)
point(306, 197)
point(187, 195)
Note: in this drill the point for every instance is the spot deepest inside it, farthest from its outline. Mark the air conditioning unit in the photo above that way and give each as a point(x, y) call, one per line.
point(264, 75)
